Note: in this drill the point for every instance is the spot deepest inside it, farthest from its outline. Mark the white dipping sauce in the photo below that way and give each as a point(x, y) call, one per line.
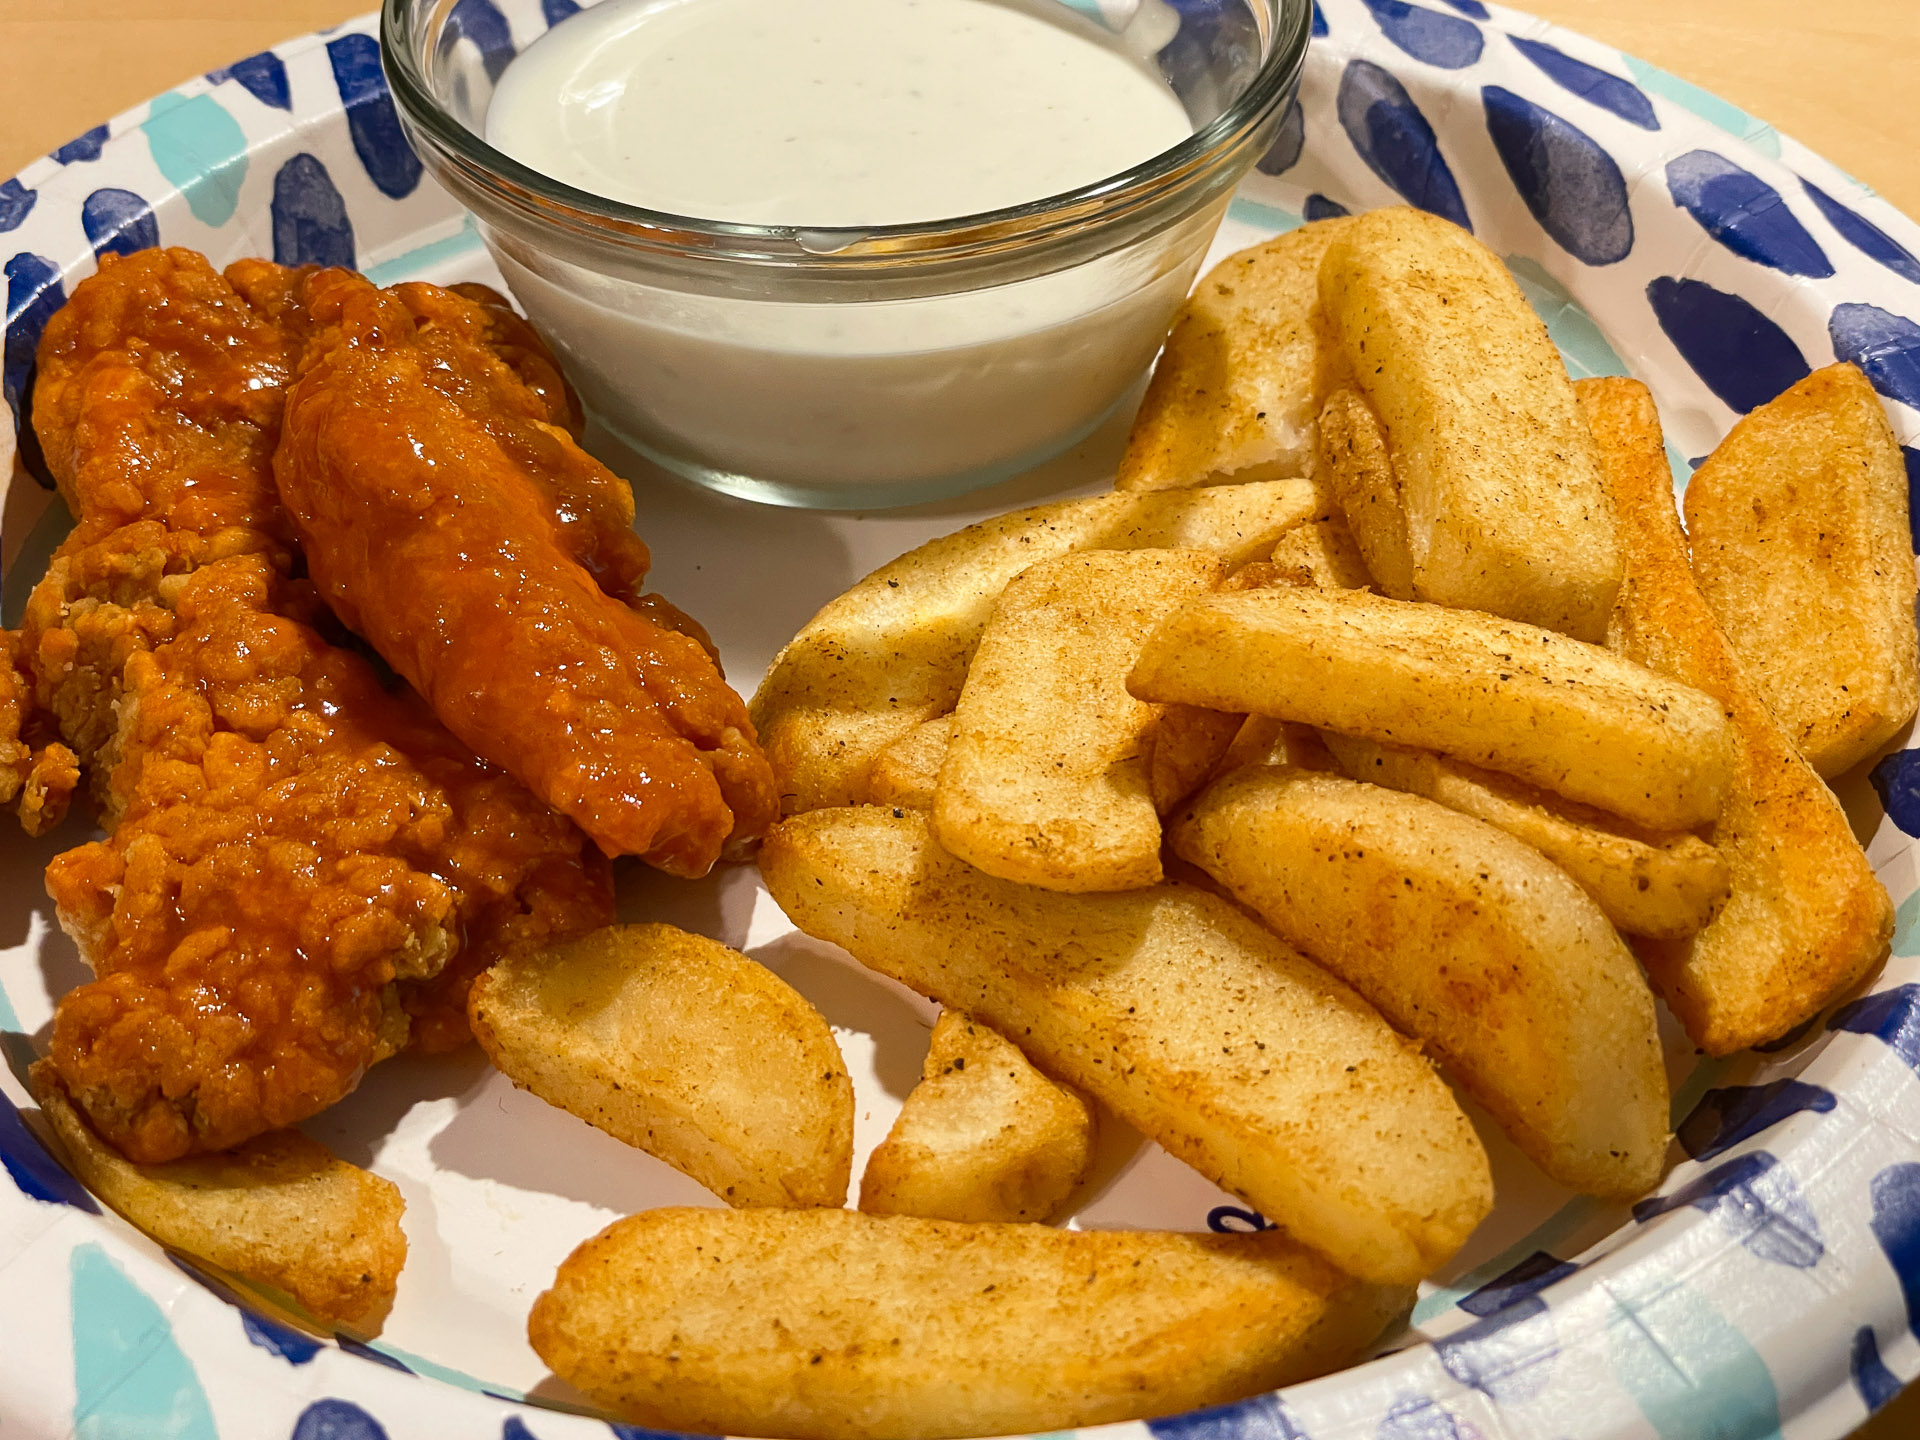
point(829, 112)
point(819, 113)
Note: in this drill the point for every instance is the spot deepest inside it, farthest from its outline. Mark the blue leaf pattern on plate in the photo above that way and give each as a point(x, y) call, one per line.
point(1442, 40)
point(118, 222)
point(1319, 207)
point(555, 11)
point(263, 76)
point(1740, 355)
point(1896, 1225)
point(1265, 1417)
point(372, 123)
point(1590, 83)
point(33, 1167)
point(1745, 214)
point(1233, 1220)
point(310, 223)
point(1420, 1417)
point(336, 1420)
point(481, 22)
point(516, 1429)
point(1875, 1382)
point(1897, 778)
point(33, 294)
point(1471, 7)
point(1724, 1118)
point(367, 1352)
point(16, 203)
point(1892, 1015)
point(1572, 186)
point(1507, 1356)
point(1319, 20)
point(1531, 1276)
point(83, 147)
point(1755, 1199)
point(283, 1340)
point(1288, 141)
point(1885, 345)
point(1865, 236)
point(1396, 141)
point(640, 1432)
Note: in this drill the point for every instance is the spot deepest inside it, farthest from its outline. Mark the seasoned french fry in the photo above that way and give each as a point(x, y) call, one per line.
point(834, 1325)
point(1466, 939)
point(893, 651)
point(1569, 717)
point(1356, 466)
point(1264, 740)
point(1234, 395)
point(1659, 883)
point(906, 771)
point(1801, 546)
point(1046, 777)
point(1806, 917)
point(1504, 503)
point(1187, 745)
point(683, 1048)
point(280, 1210)
point(983, 1136)
point(1194, 1024)
point(1321, 552)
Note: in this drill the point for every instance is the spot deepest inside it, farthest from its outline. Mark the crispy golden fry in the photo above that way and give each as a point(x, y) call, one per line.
point(983, 1136)
point(1801, 546)
point(1247, 1061)
point(893, 651)
point(906, 771)
point(1046, 776)
point(1806, 917)
point(1264, 740)
point(684, 1048)
point(1321, 552)
point(1647, 882)
point(1569, 717)
point(833, 1325)
point(1356, 466)
point(1187, 745)
point(1504, 503)
point(280, 1210)
point(1234, 395)
point(1466, 939)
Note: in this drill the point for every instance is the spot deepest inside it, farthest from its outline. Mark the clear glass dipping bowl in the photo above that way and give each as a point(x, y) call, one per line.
point(853, 369)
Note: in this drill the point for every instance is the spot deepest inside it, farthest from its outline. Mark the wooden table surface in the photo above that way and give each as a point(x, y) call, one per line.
point(1836, 76)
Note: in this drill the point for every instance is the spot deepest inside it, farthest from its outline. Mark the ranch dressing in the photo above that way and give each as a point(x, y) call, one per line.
point(830, 112)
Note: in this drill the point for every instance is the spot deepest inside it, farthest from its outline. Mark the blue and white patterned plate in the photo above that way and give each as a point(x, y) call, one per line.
point(1772, 1286)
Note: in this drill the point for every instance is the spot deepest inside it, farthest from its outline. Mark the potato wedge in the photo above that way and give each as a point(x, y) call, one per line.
point(983, 1136)
point(281, 1210)
point(907, 770)
point(833, 1325)
point(1465, 939)
point(1046, 776)
point(1194, 1024)
point(1801, 546)
point(1569, 717)
point(1356, 466)
point(1186, 747)
point(1806, 917)
point(683, 1048)
point(1321, 552)
point(1647, 882)
point(1505, 508)
point(1264, 740)
point(893, 651)
point(1234, 395)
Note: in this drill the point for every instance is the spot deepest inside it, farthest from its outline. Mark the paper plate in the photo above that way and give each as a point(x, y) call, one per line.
point(1766, 1290)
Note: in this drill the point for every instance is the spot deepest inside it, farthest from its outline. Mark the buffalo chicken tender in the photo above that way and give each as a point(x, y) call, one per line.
point(1234, 395)
point(1806, 917)
point(907, 770)
point(683, 1048)
point(1660, 883)
point(834, 1325)
point(1466, 939)
point(1356, 467)
point(1802, 548)
point(1181, 1014)
point(893, 651)
point(1569, 717)
point(1505, 508)
point(1046, 777)
point(278, 1210)
point(983, 1136)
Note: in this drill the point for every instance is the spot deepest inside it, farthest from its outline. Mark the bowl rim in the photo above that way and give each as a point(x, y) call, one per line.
point(1286, 26)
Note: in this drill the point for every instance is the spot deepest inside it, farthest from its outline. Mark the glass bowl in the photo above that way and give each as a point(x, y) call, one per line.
point(857, 368)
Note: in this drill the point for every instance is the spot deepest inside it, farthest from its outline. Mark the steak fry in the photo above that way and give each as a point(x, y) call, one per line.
point(451, 521)
point(305, 870)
